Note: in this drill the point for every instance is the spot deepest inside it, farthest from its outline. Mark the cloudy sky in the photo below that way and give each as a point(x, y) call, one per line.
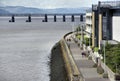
point(50, 3)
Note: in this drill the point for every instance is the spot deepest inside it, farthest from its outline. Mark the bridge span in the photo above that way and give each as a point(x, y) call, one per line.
point(81, 15)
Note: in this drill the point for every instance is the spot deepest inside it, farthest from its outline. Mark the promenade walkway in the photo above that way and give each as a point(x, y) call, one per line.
point(85, 66)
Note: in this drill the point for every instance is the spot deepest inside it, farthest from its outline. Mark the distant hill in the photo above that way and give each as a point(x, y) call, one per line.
point(22, 10)
point(67, 10)
point(2, 11)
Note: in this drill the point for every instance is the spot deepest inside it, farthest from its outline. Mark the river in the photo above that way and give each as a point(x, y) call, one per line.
point(25, 48)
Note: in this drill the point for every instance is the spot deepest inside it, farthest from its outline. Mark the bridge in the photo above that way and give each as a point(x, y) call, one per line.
point(46, 16)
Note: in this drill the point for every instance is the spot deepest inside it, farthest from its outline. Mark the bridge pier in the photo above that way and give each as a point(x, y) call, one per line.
point(72, 18)
point(55, 19)
point(12, 19)
point(29, 19)
point(81, 17)
point(64, 19)
point(46, 18)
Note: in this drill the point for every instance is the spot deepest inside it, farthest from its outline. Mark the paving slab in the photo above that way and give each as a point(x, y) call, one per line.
point(84, 65)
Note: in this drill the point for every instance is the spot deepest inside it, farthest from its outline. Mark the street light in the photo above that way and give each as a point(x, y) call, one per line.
point(73, 29)
point(104, 54)
point(95, 42)
point(90, 40)
point(81, 35)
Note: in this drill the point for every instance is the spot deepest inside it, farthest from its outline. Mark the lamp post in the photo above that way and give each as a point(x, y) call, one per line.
point(81, 35)
point(73, 24)
point(95, 42)
point(104, 55)
point(90, 36)
point(90, 40)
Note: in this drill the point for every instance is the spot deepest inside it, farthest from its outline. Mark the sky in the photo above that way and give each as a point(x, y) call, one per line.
point(50, 4)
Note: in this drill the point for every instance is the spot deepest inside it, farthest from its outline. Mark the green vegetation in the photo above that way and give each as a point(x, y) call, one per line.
point(78, 29)
point(87, 41)
point(96, 49)
point(100, 70)
point(112, 54)
point(78, 36)
point(105, 75)
point(95, 65)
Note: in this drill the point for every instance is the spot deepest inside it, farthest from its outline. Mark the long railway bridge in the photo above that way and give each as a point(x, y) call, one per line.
point(29, 19)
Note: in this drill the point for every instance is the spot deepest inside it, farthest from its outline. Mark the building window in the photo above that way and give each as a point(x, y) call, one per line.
point(104, 14)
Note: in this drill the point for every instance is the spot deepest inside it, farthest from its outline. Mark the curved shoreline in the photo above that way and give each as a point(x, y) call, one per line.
point(57, 65)
point(58, 71)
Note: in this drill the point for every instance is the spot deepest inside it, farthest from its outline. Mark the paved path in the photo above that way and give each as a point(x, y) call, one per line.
point(85, 66)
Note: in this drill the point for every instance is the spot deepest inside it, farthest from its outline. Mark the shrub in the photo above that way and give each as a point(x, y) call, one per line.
point(78, 36)
point(89, 58)
point(105, 75)
point(96, 49)
point(95, 65)
point(112, 52)
point(100, 70)
point(87, 41)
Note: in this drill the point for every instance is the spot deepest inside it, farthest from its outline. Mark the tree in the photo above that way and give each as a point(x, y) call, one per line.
point(112, 54)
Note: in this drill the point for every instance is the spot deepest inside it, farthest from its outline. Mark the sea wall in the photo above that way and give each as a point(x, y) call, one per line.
point(57, 65)
point(72, 70)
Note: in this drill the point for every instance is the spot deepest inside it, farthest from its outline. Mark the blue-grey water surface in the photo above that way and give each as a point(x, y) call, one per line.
point(25, 48)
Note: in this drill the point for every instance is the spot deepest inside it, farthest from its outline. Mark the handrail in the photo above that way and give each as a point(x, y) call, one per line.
point(73, 72)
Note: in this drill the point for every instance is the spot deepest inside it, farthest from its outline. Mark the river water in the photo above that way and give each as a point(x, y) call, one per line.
point(25, 48)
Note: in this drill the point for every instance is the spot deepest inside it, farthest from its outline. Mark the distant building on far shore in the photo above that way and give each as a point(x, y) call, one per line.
point(105, 22)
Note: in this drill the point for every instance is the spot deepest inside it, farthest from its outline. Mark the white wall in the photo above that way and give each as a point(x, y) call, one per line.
point(116, 28)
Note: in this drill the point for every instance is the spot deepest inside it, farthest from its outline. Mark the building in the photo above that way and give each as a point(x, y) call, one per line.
point(88, 23)
point(105, 22)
